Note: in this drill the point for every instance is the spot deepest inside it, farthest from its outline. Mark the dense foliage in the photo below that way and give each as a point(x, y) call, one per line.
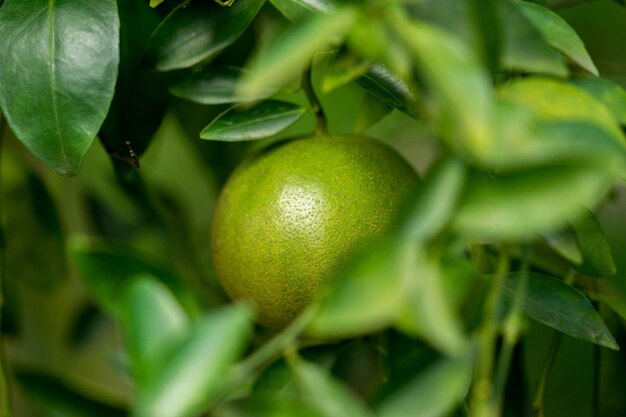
point(501, 292)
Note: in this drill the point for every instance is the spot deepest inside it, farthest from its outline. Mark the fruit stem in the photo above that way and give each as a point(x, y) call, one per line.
point(4, 384)
point(316, 106)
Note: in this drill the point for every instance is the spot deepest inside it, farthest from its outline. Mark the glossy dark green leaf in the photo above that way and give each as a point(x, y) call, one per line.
point(140, 98)
point(56, 84)
point(154, 321)
point(365, 298)
point(594, 247)
point(612, 95)
point(29, 210)
point(524, 49)
point(197, 31)
point(193, 376)
point(556, 304)
point(325, 394)
point(263, 120)
point(558, 33)
point(450, 66)
point(299, 9)
point(434, 203)
point(435, 392)
point(537, 201)
point(108, 268)
point(381, 83)
point(213, 86)
point(293, 50)
point(56, 398)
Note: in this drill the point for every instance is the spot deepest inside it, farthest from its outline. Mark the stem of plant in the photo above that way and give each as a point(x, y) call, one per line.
point(4, 384)
point(316, 106)
point(538, 408)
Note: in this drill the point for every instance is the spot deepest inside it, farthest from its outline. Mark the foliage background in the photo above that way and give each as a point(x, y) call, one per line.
point(76, 346)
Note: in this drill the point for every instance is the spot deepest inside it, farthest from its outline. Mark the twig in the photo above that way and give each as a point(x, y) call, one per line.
point(4, 378)
point(316, 106)
point(545, 374)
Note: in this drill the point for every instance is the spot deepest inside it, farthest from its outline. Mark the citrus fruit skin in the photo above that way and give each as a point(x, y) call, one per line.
point(288, 218)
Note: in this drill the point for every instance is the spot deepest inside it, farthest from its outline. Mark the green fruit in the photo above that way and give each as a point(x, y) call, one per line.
point(289, 217)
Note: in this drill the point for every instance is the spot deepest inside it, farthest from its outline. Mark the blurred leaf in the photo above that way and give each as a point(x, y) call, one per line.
point(460, 86)
point(85, 325)
point(155, 3)
point(343, 69)
point(213, 86)
point(325, 394)
point(365, 298)
point(29, 211)
point(276, 407)
point(197, 31)
point(299, 9)
point(287, 56)
point(433, 393)
point(612, 95)
point(558, 305)
point(519, 205)
point(56, 398)
point(524, 48)
point(434, 203)
point(57, 83)
point(558, 33)
point(429, 312)
point(263, 120)
point(594, 246)
point(371, 112)
point(108, 269)
point(140, 98)
point(154, 321)
point(564, 243)
point(194, 375)
point(487, 24)
point(381, 83)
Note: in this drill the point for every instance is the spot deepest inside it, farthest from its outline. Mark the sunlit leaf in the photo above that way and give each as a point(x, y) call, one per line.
point(56, 84)
point(197, 31)
point(249, 123)
point(193, 376)
point(154, 322)
point(433, 393)
point(291, 52)
point(381, 83)
point(299, 9)
point(556, 304)
point(325, 394)
point(612, 95)
point(213, 86)
point(558, 33)
point(343, 69)
point(522, 204)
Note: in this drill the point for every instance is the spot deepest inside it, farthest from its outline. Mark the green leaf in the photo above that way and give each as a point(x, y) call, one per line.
point(298, 9)
point(194, 375)
point(435, 392)
point(564, 243)
point(266, 407)
point(287, 56)
point(434, 203)
point(57, 398)
point(371, 112)
point(381, 83)
point(343, 69)
point(558, 305)
point(366, 297)
point(197, 31)
point(524, 49)
point(612, 95)
point(594, 246)
point(459, 84)
point(155, 3)
point(325, 394)
point(558, 33)
point(108, 268)
point(213, 86)
point(263, 120)
point(56, 83)
point(517, 206)
point(154, 321)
